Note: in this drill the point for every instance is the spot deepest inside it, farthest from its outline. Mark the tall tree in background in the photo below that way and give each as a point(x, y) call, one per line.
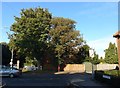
point(111, 55)
point(101, 60)
point(65, 39)
point(95, 59)
point(83, 54)
point(30, 32)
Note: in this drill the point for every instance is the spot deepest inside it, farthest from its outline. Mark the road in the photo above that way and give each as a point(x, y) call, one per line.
point(70, 80)
point(42, 80)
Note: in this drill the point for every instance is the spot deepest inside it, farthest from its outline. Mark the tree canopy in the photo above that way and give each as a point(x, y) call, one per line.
point(111, 55)
point(38, 35)
point(31, 32)
point(95, 59)
point(83, 54)
point(65, 39)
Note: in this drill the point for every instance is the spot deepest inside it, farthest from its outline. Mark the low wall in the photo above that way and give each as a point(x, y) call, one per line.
point(75, 68)
point(88, 67)
point(106, 66)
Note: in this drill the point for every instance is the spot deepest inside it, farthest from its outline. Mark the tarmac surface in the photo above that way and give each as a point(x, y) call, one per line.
point(56, 80)
point(85, 80)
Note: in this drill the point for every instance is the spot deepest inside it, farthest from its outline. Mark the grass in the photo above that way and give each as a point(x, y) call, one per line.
point(112, 72)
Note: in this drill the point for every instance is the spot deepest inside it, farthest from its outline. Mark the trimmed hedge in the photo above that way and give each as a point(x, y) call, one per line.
point(108, 79)
point(112, 72)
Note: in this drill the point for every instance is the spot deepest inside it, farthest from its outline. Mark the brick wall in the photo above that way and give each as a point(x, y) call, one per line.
point(75, 68)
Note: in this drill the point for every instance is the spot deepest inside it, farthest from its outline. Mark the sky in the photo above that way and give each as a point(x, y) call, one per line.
point(97, 21)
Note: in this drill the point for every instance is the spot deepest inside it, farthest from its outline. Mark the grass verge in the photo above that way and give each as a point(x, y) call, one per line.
point(112, 72)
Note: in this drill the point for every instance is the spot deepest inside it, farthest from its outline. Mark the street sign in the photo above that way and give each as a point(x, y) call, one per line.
point(106, 76)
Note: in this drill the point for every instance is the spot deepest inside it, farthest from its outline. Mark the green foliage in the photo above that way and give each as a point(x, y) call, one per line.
point(64, 38)
point(37, 35)
point(29, 61)
point(111, 55)
point(112, 72)
point(95, 59)
point(83, 54)
point(30, 32)
point(101, 60)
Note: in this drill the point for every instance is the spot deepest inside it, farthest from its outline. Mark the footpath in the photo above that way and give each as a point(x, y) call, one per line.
point(84, 80)
point(89, 82)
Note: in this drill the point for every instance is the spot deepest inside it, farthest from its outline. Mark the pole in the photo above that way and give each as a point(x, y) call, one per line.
point(11, 63)
point(18, 63)
point(92, 56)
point(92, 71)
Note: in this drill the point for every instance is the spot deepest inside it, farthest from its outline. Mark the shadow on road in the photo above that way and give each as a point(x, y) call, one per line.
point(54, 80)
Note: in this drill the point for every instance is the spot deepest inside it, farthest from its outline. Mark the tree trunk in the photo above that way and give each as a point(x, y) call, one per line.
point(58, 68)
point(40, 64)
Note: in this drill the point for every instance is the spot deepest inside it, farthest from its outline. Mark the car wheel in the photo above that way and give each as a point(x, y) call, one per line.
point(11, 75)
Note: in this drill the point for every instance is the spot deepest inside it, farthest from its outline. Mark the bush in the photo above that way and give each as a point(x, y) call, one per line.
point(113, 74)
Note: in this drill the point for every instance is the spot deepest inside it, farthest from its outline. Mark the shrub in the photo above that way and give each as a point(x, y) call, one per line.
point(114, 80)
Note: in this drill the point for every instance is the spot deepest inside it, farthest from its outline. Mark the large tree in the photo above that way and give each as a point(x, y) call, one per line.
point(111, 55)
point(65, 38)
point(30, 32)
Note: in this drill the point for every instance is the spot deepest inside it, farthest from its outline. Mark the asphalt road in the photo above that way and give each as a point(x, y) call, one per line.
point(69, 80)
point(42, 81)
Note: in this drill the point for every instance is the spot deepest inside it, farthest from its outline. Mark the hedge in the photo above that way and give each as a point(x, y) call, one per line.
point(109, 79)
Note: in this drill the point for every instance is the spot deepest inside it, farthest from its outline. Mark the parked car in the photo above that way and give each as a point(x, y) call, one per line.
point(30, 68)
point(9, 71)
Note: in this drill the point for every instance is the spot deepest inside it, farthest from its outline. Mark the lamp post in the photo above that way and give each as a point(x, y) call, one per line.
point(91, 53)
point(9, 36)
point(12, 52)
point(11, 61)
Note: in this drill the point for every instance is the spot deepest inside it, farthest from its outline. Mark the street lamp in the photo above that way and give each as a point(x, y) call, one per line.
point(91, 53)
point(12, 52)
point(11, 61)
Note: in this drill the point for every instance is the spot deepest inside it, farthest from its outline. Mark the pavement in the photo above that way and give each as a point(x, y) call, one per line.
point(84, 80)
point(89, 82)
